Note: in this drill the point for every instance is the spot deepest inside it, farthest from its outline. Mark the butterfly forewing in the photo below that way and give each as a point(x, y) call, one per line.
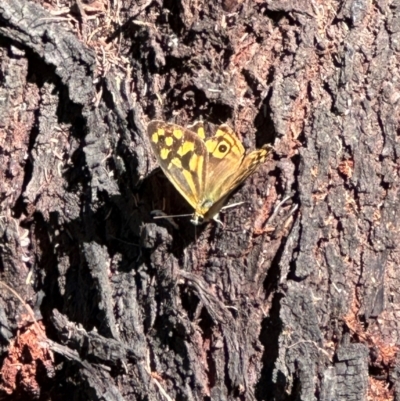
point(182, 156)
point(226, 154)
point(218, 194)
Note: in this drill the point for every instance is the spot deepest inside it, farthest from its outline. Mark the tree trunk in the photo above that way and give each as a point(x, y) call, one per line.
point(294, 297)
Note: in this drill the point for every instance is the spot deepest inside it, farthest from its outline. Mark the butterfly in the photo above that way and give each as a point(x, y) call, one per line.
point(204, 170)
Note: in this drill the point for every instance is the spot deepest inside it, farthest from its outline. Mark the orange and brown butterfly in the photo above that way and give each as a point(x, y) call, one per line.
point(204, 170)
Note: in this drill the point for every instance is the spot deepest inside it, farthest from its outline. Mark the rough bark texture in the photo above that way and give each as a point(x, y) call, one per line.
point(295, 298)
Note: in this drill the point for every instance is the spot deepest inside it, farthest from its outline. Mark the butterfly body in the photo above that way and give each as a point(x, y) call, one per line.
point(204, 171)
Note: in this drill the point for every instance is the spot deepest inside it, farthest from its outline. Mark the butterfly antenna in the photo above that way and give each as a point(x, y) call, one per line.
point(158, 214)
point(233, 205)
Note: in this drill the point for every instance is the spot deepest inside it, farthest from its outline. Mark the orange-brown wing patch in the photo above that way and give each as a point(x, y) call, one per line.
point(225, 155)
point(228, 166)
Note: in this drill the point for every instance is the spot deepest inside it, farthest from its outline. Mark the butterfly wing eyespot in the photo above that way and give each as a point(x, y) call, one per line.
point(222, 148)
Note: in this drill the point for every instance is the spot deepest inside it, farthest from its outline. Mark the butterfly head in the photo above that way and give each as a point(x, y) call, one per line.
point(197, 219)
point(206, 211)
point(201, 213)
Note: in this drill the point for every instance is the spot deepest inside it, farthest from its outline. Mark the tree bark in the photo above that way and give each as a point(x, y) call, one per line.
point(294, 297)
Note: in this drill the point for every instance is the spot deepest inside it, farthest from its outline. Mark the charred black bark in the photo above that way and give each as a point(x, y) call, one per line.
point(296, 297)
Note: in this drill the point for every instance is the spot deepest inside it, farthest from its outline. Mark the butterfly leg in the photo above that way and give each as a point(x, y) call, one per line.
point(217, 220)
point(232, 205)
